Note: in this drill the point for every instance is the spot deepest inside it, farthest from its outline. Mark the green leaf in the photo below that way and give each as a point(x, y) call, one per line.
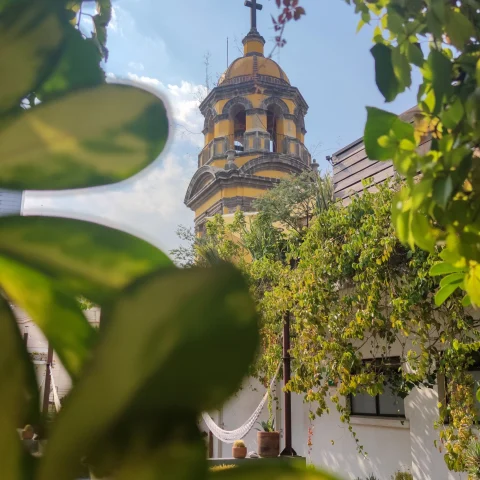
point(58, 315)
point(415, 54)
point(452, 117)
point(472, 284)
point(185, 320)
point(452, 278)
point(82, 257)
point(381, 123)
point(441, 68)
point(385, 77)
point(402, 69)
point(443, 268)
point(442, 190)
point(271, 469)
point(459, 29)
point(31, 36)
point(90, 137)
point(79, 67)
point(422, 231)
point(395, 22)
point(19, 398)
point(445, 292)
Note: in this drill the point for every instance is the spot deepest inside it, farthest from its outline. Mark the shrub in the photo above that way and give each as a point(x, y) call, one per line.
point(402, 476)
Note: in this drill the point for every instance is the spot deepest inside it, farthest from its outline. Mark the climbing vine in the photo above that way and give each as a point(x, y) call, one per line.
point(441, 40)
point(355, 293)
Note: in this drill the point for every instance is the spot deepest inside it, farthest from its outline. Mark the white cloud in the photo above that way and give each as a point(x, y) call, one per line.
point(136, 66)
point(184, 100)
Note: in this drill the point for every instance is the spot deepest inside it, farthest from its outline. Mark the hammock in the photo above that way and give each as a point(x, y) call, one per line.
point(229, 436)
point(56, 399)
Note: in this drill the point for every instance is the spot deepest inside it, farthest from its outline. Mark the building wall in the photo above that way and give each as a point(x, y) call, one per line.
point(391, 444)
point(351, 165)
point(37, 344)
point(10, 202)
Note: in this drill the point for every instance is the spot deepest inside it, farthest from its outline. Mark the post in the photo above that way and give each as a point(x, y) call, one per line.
point(25, 336)
point(210, 445)
point(46, 392)
point(288, 450)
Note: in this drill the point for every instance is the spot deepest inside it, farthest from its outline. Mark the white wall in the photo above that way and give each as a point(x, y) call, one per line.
point(37, 343)
point(391, 444)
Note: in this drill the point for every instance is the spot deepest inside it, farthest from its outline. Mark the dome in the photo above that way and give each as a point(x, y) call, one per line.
point(251, 65)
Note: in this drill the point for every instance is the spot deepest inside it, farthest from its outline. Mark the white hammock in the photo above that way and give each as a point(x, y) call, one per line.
point(56, 399)
point(229, 436)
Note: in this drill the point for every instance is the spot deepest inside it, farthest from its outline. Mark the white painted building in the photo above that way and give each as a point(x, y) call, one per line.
point(403, 443)
point(37, 346)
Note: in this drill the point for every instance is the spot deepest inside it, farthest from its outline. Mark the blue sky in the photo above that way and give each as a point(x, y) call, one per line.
point(163, 45)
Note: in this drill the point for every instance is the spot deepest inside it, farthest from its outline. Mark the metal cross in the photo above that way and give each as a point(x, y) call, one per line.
point(254, 6)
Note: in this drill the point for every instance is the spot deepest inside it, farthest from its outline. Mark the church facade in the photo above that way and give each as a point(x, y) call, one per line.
point(254, 134)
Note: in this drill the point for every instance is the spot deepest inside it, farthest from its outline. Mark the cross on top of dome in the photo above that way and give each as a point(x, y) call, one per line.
point(254, 6)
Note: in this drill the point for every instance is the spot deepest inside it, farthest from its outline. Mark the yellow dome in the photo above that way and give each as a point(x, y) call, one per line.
point(253, 65)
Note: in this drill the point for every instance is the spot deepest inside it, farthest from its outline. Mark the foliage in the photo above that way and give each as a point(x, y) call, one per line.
point(402, 476)
point(440, 39)
point(163, 329)
point(268, 425)
point(184, 254)
point(296, 199)
point(239, 443)
point(356, 292)
point(472, 460)
point(370, 477)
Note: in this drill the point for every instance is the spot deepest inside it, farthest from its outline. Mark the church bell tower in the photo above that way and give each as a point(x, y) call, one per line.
point(254, 133)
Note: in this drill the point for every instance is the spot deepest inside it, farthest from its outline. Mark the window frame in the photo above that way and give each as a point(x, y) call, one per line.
point(395, 364)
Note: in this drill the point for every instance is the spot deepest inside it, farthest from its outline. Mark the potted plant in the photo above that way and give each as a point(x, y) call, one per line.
point(268, 439)
point(239, 450)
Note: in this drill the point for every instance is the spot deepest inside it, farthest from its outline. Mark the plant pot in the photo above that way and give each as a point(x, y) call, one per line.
point(268, 444)
point(239, 452)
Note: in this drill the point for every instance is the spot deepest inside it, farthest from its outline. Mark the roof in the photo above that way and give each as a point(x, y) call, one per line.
point(252, 65)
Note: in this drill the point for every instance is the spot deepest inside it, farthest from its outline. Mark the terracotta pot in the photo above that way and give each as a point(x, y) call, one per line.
point(268, 444)
point(239, 452)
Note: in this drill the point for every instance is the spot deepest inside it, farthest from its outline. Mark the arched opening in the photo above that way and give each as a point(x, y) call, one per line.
point(274, 128)
point(239, 118)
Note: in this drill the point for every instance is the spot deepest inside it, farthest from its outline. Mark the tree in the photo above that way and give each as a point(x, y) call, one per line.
point(296, 199)
point(357, 292)
point(441, 39)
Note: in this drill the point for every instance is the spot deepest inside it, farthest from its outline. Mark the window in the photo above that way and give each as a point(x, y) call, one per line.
point(387, 404)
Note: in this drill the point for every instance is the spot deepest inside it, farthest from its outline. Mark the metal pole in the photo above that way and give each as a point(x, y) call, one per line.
point(288, 450)
point(46, 392)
